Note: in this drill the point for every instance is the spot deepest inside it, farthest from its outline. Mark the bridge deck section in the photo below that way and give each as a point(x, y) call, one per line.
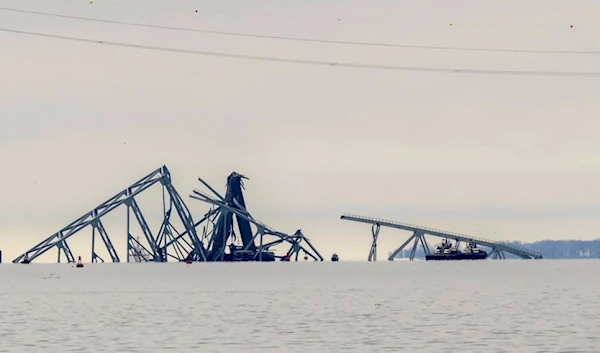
point(516, 250)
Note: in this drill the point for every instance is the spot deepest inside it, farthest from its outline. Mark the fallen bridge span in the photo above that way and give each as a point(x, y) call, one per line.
point(498, 249)
point(177, 236)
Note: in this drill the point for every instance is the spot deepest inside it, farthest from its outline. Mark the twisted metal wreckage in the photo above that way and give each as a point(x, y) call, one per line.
point(212, 238)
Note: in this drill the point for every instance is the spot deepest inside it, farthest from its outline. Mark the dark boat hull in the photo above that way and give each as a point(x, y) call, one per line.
point(456, 256)
point(245, 256)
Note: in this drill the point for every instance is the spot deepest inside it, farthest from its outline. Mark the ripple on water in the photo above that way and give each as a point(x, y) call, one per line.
point(517, 306)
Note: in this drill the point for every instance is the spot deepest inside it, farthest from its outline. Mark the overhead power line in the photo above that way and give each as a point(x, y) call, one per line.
point(313, 40)
point(307, 62)
point(354, 20)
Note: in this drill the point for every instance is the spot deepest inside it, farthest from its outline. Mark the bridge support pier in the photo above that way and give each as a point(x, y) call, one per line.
point(373, 252)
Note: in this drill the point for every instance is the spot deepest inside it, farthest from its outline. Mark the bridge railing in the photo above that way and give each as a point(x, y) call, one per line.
point(407, 225)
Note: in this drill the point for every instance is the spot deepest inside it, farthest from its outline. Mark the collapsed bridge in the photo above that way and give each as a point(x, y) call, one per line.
point(219, 233)
point(498, 249)
point(180, 237)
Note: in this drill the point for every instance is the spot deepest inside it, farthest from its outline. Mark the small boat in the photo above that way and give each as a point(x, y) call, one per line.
point(335, 258)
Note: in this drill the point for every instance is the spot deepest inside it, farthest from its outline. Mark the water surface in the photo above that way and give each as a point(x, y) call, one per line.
point(492, 306)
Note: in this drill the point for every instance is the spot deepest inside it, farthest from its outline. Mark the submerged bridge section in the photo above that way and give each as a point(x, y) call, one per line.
point(179, 237)
point(220, 236)
point(498, 249)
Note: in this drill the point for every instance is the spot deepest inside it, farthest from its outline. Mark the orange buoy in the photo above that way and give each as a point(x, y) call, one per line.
point(79, 263)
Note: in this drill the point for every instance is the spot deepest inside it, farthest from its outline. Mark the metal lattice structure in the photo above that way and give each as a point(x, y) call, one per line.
point(169, 243)
point(418, 239)
point(220, 235)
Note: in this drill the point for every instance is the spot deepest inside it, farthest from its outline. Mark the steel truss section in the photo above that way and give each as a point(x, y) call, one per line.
point(418, 238)
point(219, 231)
point(496, 254)
point(166, 243)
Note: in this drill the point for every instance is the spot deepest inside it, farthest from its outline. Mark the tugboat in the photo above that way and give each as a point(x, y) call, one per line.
point(335, 258)
point(448, 252)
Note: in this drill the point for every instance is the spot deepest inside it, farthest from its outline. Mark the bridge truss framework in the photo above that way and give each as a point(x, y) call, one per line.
point(418, 239)
point(168, 242)
point(219, 231)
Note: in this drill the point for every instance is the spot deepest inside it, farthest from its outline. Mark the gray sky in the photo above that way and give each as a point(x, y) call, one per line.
point(502, 157)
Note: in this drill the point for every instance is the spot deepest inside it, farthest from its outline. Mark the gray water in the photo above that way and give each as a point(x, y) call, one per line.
point(491, 306)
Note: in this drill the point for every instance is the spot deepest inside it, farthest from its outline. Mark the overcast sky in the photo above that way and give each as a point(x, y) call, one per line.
point(497, 156)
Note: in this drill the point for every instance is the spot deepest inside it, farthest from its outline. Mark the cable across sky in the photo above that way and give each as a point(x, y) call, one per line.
point(313, 40)
point(306, 62)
